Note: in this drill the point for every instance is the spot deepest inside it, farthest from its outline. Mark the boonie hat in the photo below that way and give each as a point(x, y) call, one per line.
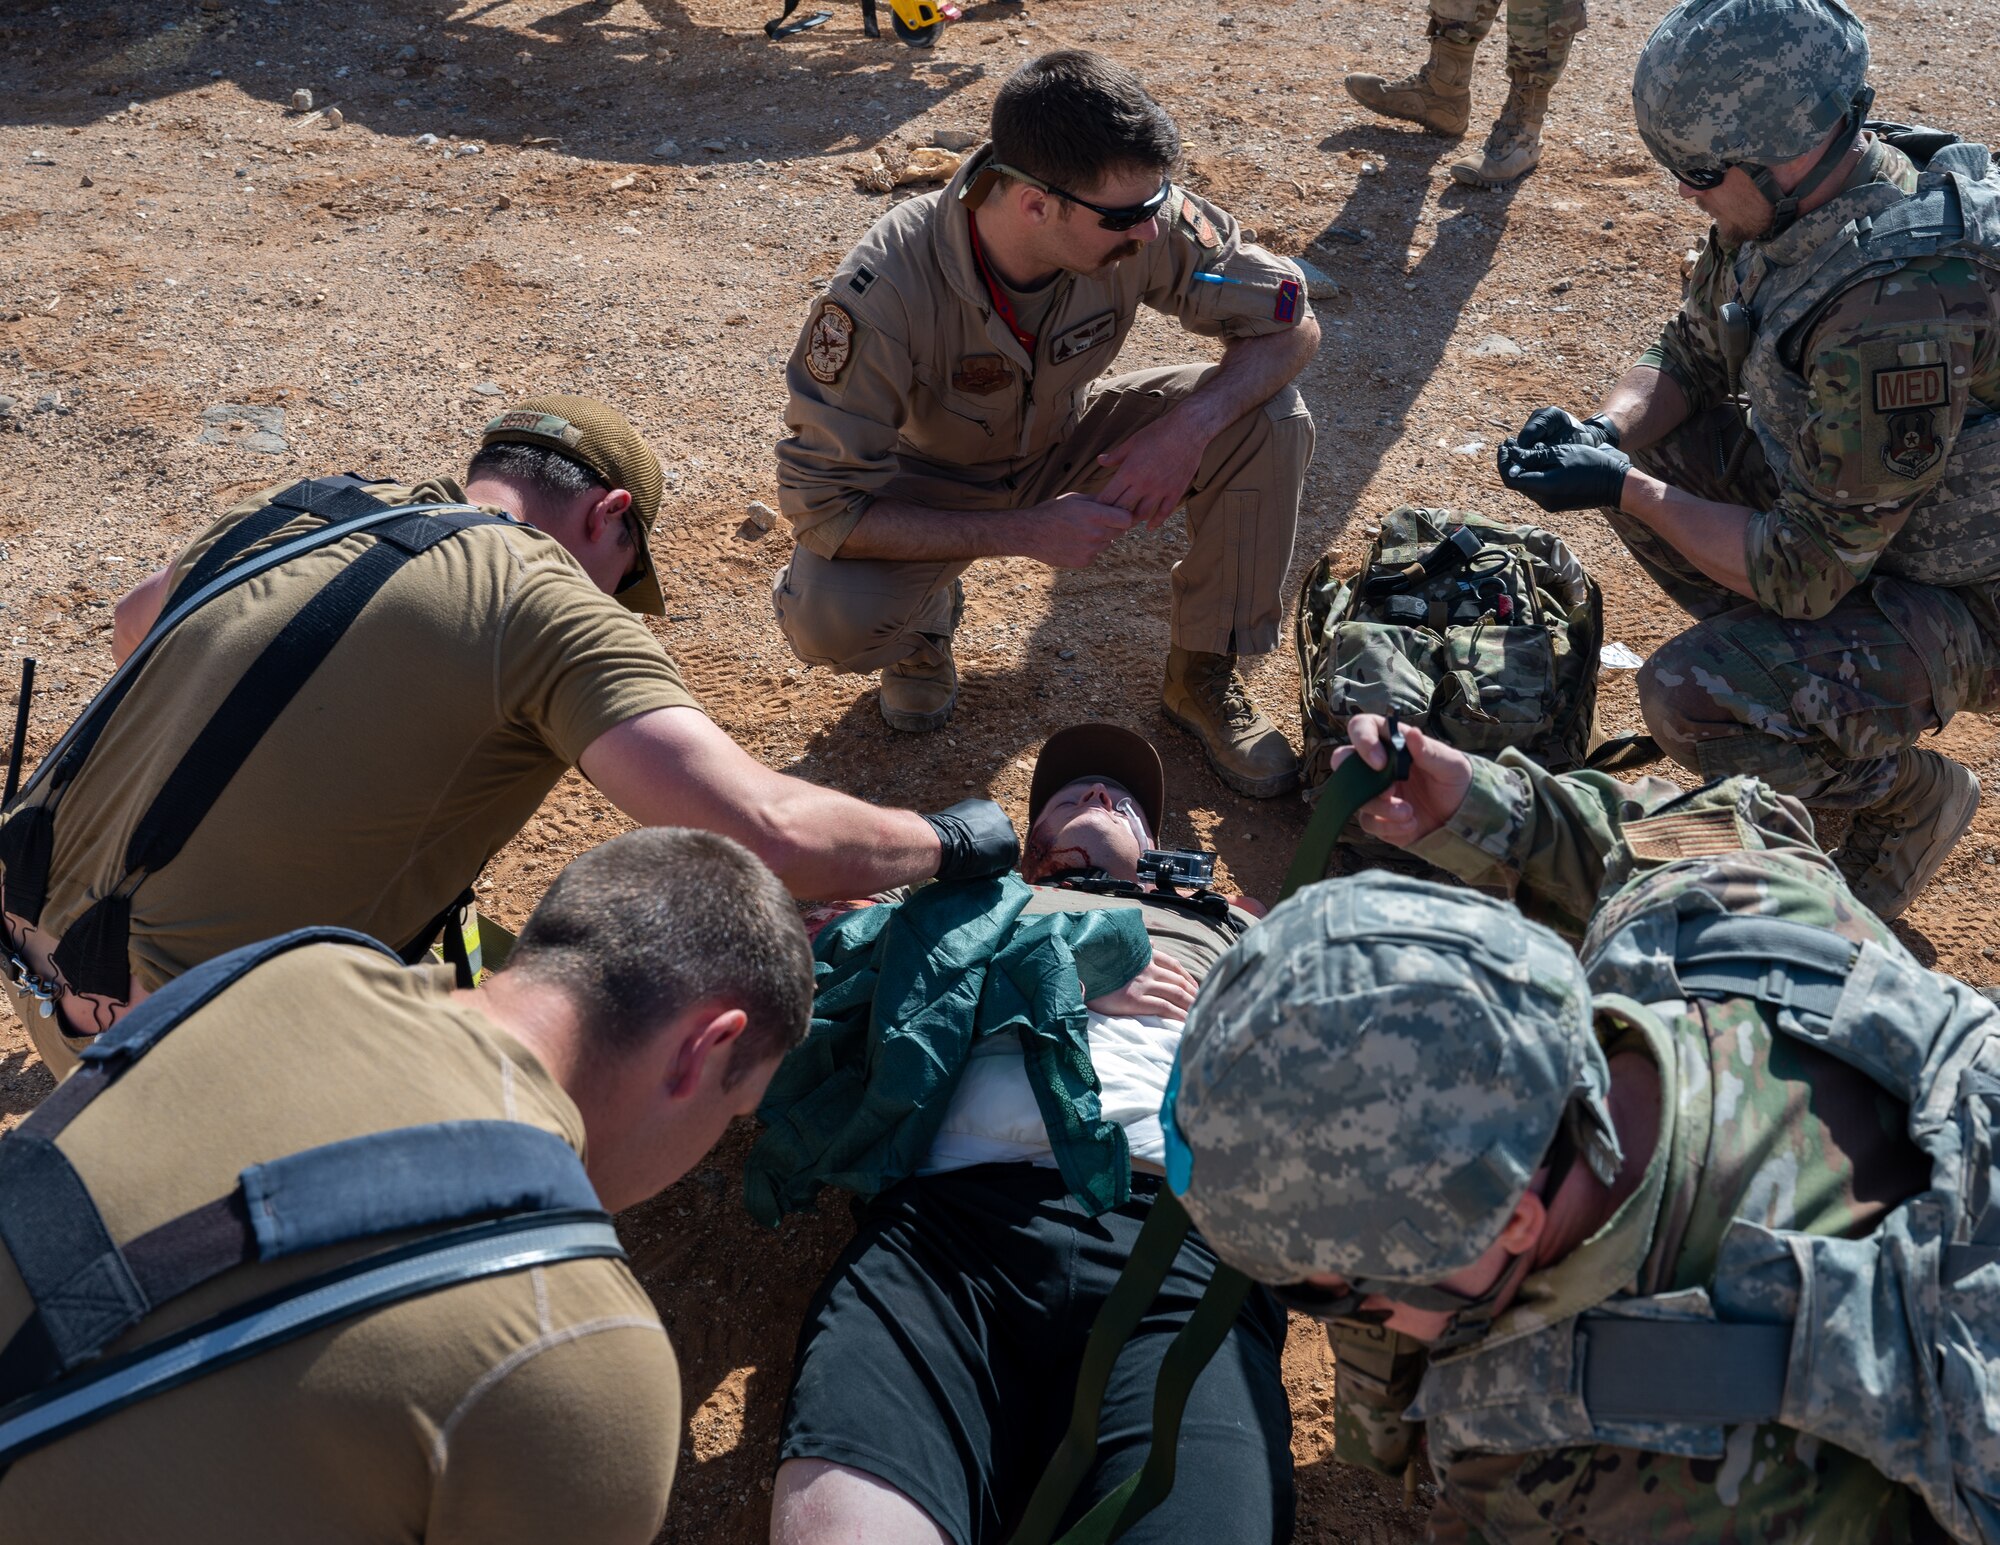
point(602, 438)
point(1107, 751)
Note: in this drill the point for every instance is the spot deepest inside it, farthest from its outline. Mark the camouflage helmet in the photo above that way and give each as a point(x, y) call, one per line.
point(1746, 83)
point(1369, 1080)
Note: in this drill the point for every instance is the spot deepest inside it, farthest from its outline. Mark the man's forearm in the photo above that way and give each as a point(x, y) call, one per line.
point(1252, 372)
point(1713, 537)
point(1647, 405)
point(918, 533)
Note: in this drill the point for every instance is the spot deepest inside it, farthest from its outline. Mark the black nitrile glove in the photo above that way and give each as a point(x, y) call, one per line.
point(1554, 426)
point(1565, 477)
point(977, 840)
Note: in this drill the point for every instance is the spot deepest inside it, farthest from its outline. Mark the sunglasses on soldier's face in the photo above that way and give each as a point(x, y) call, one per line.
point(1121, 218)
point(1703, 178)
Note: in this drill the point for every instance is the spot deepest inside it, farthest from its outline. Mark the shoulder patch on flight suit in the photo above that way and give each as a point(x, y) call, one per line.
point(1198, 226)
point(1082, 338)
point(982, 374)
point(830, 344)
point(1685, 834)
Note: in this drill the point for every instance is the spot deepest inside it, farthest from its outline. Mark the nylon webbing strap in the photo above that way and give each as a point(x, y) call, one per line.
point(76, 742)
point(1682, 1371)
point(1351, 785)
point(464, 1255)
point(1787, 965)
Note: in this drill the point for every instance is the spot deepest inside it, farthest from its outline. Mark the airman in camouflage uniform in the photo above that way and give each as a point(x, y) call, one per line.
point(1439, 95)
point(1437, 1118)
point(1820, 485)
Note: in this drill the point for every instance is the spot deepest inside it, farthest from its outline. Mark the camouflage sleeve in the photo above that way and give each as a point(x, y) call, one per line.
point(1376, 1374)
point(1689, 347)
point(1539, 837)
point(850, 379)
point(1205, 274)
point(1887, 373)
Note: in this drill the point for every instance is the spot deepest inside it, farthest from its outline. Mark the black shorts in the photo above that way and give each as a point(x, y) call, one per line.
point(940, 1355)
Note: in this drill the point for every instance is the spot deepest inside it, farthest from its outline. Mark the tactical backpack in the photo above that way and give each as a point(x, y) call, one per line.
point(497, 1197)
point(1483, 634)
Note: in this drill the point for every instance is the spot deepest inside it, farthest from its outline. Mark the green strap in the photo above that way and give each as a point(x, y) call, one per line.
point(1351, 786)
point(1159, 1241)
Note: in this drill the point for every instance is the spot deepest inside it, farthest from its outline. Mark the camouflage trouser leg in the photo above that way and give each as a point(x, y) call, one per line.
point(1463, 21)
point(1539, 34)
point(1819, 708)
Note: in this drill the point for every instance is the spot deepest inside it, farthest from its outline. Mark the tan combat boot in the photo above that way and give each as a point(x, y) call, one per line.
point(1515, 145)
point(1205, 697)
point(1438, 96)
point(920, 690)
point(1896, 844)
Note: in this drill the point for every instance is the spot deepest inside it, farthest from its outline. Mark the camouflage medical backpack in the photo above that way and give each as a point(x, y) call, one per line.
point(1483, 634)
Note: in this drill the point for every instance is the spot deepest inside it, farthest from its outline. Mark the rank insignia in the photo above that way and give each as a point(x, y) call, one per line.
point(863, 277)
point(981, 375)
point(1083, 337)
point(829, 343)
point(1286, 308)
point(1912, 447)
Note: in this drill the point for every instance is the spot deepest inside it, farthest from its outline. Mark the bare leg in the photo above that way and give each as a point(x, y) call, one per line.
point(815, 1502)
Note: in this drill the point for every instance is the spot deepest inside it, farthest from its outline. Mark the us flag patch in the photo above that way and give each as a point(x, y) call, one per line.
point(1287, 307)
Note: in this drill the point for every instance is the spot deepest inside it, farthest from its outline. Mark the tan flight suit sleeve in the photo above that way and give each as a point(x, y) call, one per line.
point(1266, 293)
point(577, 1443)
point(850, 380)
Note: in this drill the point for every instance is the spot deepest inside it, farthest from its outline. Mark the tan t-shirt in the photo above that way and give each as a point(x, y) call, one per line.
point(471, 682)
point(537, 1407)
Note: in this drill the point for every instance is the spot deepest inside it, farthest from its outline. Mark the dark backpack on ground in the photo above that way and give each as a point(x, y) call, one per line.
point(1483, 634)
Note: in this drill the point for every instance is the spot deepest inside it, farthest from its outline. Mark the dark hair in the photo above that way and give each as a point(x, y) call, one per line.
point(1073, 117)
point(661, 919)
point(546, 471)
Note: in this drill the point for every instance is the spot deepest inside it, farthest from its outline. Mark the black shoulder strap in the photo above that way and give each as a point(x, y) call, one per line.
point(92, 955)
point(334, 498)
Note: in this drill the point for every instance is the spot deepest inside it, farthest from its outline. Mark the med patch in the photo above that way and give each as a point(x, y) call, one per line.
point(1911, 386)
point(1084, 337)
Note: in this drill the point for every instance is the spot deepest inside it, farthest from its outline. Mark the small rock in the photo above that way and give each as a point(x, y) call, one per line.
point(1225, 21)
point(6, 404)
point(1496, 346)
point(1320, 285)
point(335, 118)
point(960, 140)
point(927, 165)
point(264, 443)
point(717, 146)
point(489, 388)
point(86, 182)
point(761, 515)
point(619, 185)
point(472, 148)
point(1346, 234)
point(302, 101)
point(403, 102)
point(1065, 654)
point(40, 158)
point(667, 149)
point(427, 139)
point(1370, 169)
point(407, 51)
point(49, 402)
point(736, 319)
point(503, 202)
point(1610, 225)
point(1561, 287)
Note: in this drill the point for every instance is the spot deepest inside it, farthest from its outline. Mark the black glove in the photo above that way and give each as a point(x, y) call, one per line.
point(1565, 477)
point(1554, 426)
point(977, 840)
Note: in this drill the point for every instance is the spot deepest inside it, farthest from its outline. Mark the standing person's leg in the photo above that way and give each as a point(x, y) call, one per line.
point(1228, 592)
point(1439, 95)
point(1829, 710)
point(1539, 35)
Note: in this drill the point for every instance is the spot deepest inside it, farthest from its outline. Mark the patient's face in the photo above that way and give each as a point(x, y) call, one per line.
point(1090, 823)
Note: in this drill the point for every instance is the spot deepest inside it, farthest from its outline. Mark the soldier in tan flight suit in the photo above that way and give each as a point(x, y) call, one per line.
point(946, 406)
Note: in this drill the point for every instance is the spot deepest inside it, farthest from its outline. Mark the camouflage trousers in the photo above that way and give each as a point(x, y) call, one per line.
point(1820, 708)
point(1539, 32)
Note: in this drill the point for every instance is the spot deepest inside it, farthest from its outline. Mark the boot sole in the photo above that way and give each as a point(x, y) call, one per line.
point(1249, 788)
point(917, 723)
point(1473, 177)
point(1944, 851)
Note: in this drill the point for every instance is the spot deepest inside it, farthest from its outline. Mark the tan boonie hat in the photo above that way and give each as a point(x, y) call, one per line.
point(1108, 751)
point(600, 437)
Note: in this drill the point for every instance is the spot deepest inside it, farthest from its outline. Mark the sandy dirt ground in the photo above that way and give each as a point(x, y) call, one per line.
point(204, 291)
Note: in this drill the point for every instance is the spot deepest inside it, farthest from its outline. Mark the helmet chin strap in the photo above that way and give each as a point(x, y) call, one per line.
point(1785, 206)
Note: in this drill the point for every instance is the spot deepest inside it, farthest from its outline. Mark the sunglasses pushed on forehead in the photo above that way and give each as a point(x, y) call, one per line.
point(1120, 218)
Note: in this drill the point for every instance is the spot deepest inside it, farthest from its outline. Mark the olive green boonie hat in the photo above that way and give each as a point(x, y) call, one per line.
point(600, 437)
point(1371, 1077)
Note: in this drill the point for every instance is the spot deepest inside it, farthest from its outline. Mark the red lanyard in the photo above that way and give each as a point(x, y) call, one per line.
point(1001, 303)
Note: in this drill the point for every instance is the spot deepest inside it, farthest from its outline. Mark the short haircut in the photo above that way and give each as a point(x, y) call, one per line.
point(545, 471)
point(1071, 118)
point(659, 920)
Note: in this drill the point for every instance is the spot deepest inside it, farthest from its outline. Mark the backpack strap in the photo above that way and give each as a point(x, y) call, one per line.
point(1787, 965)
point(92, 955)
point(428, 1266)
